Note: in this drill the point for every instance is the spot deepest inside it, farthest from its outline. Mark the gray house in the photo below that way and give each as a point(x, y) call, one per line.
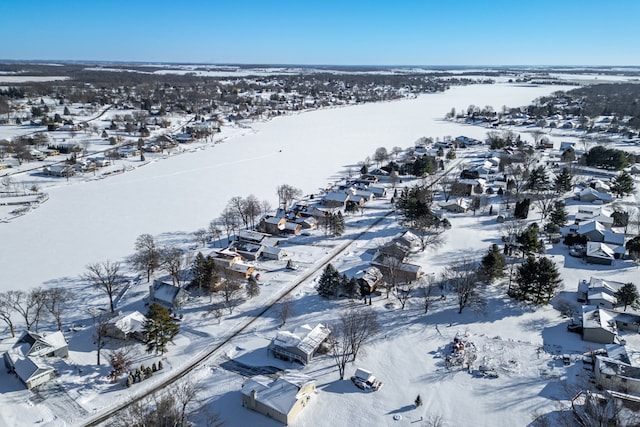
point(299, 345)
point(167, 295)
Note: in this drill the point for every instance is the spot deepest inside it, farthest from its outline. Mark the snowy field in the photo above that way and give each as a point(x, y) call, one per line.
point(95, 220)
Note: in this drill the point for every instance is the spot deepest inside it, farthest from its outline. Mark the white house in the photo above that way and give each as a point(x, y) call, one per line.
point(598, 325)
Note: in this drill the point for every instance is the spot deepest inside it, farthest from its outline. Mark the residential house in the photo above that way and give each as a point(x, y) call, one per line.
point(396, 270)
point(458, 205)
point(615, 374)
point(300, 345)
point(282, 399)
point(167, 295)
point(27, 356)
point(593, 213)
point(60, 170)
point(369, 280)
point(272, 225)
point(292, 228)
point(598, 325)
point(273, 253)
point(597, 232)
point(225, 258)
point(591, 195)
point(336, 199)
point(599, 253)
point(599, 292)
point(126, 326)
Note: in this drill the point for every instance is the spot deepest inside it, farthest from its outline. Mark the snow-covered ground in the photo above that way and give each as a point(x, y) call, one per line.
point(94, 220)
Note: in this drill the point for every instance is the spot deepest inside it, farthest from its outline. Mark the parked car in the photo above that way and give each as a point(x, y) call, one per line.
point(365, 380)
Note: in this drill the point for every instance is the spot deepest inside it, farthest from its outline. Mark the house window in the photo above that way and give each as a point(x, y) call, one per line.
point(608, 377)
point(624, 380)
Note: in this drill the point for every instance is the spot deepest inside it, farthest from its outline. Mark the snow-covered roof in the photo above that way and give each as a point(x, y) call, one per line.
point(305, 338)
point(599, 250)
point(281, 394)
point(598, 318)
point(129, 323)
point(27, 368)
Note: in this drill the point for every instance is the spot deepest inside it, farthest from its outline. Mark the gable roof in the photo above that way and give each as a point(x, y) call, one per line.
point(281, 394)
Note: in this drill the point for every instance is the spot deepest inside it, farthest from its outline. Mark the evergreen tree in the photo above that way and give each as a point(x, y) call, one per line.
point(529, 241)
point(352, 288)
point(203, 272)
point(337, 224)
point(329, 282)
point(252, 289)
point(521, 210)
point(538, 179)
point(493, 264)
point(537, 281)
point(633, 247)
point(628, 295)
point(563, 181)
point(159, 329)
point(623, 184)
point(559, 214)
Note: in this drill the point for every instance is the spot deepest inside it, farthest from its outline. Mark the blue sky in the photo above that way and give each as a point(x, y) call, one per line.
point(474, 32)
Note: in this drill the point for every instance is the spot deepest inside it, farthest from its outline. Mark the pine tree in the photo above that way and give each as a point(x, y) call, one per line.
point(538, 179)
point(537, 281)
point(628, 295)
point(159, 329)
point(623, 184)
point(493, 264)
point(329, 282)
point(337, 224)
point(252, 289)
point(563, 181)
point(633, 246)
point(558, 215)
point(528, 239)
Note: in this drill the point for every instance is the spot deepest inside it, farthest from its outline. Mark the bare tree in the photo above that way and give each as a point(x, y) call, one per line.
point(202, 236)
point(237, 205)
point(403, 293)
point(462, 278)
point(105, 276)
point(230, 291)
point(545, 201)
point(426, 292)
point(28, 305)
point(57, 300)
point(251, 209)
point(265, 205)
point(147, 256)
point(359, 324)
point(286, 194)
point(171, 259)
point(99, 331)
point(171, 408)
point(381, 155)
point(214, 230)
point(230, 221)
point(284, 310)
point(339, 348)
point(6, 310)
